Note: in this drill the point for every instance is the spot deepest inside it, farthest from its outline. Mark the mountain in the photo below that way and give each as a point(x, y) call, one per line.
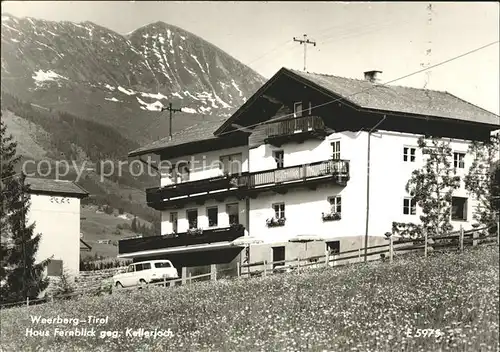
point(83, 93)
point(122, 80)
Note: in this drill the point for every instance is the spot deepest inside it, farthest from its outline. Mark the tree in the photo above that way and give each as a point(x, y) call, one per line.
point(432, 187)
point(63, 286)
point(483, 180)
point(20, 276)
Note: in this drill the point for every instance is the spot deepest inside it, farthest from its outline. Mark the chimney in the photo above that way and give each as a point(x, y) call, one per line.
point(373, 76)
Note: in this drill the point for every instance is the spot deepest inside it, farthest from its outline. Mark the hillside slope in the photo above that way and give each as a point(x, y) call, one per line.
point(453, 297)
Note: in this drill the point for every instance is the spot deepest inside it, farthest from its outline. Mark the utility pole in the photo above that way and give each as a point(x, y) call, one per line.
point(304, 41)
point(171, 110)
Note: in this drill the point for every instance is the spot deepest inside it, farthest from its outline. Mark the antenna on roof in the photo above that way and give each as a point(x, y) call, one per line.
point(171, 110)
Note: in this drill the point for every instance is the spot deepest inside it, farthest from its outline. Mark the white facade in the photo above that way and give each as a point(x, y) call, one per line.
point(57, 218)
point(303, 207)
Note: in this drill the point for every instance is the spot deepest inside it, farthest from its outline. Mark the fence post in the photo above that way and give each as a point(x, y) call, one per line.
point(171, 283)
point(164, 281)
point(391, 248)
point(298, 265)
point(425, 243)
point(189, 278)
point(359, 253)
point(238, 269)
point(475, 237)
point(213, 272)
point(327, 258)
point(183, 275)
point(498, 228)
point(27, 301)
point(461, 238)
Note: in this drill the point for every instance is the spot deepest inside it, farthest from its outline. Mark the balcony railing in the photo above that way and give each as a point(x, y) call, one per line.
point(158, 194)
point(182, 239)
point(296, 127)
point(333, 168)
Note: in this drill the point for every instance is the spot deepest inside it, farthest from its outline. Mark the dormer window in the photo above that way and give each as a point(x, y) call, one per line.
point(297, 109)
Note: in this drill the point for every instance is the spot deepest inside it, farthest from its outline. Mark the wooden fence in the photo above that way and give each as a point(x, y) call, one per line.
point(456, 240)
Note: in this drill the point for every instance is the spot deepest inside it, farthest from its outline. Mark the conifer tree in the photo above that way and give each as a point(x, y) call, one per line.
point(20, 276)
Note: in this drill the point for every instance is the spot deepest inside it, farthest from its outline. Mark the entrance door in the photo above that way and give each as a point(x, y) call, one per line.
point(278, 254)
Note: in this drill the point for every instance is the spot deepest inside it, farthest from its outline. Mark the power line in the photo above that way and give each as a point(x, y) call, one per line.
point(362, 91)
point(268, 52)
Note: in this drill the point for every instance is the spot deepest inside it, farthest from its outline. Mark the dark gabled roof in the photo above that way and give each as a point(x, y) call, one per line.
point(388, 98)
point(401, 99)
point(197, 132)
point(56, 187)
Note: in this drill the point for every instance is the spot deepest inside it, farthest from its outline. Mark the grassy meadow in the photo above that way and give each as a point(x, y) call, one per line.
point(448, 302)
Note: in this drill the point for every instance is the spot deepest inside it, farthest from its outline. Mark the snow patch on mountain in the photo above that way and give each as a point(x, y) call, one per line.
point(43, 76)
point(113, 99)
point(189, 110)
point(236, 87)
point(156, 106)
point(196, 59)
point(158, 96)
point(128, 92)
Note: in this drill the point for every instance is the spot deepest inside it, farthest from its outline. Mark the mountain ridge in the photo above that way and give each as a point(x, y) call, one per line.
point(97, 73)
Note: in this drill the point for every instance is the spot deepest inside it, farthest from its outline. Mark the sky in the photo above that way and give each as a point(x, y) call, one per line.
point(398, 38)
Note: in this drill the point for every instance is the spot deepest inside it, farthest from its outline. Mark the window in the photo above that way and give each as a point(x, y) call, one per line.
point(409, 154)
point(279, 210)
point(458, 160)
point(163, 265)
point(458, 208)
point(336, 150)
point(174, 221)
point(231, 164)
point(297, 109)
point(213, 215)
point(335, 204)
point(279, 157)
point(143, 266)
point(278, 255)
point(233, 213)
point(192, 216)
point(131, 269)
point(333, 246)
point(409, 206)
point(55, 267)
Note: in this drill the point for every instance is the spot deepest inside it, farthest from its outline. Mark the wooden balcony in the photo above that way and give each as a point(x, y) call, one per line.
point(248, 184)
point(296, 130)
point(157, 196)
point(152, 243)
point(308, 174)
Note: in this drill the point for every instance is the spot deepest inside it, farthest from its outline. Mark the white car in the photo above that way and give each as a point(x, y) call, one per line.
point(142, 273)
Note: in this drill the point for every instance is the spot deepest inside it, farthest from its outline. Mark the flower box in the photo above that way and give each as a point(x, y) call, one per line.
point(273, 222)
point(197, 231)
point(331, 216)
